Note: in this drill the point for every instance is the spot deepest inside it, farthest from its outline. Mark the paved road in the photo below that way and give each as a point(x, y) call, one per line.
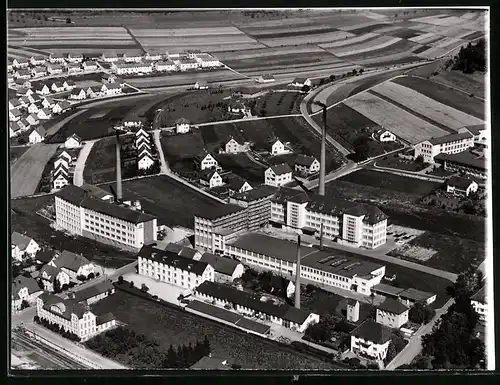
point(26, 172)
point(414, 347)
point(80, 162)
point(56, 127)
point(165, 169)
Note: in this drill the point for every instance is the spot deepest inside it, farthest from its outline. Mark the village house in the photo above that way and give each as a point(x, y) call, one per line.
point(65, 158)
point(44, 256)
point(23, 247)
point(73, 264)
point(109, 57)
point(153, 56)
point(226, 269)
point(24, 73)
point(206, 60)
point(48, 276)
point(56, 58)
point(90, 65)
point(165, 65)
point(74, 58)
point(24, 87)
point(14, 129)
point(251, 305)
point(236, 184)
point(38, 72)
point(57, 86)
point(108, 78)
point(78, 94)
point(211, 178)
point(37, 135)
point(23, 123)
point(33, 108)
point(461, 186)
point(392, 313)
point(169, 267)
point(111, 89)
point(132, 57)
point(34, 98)
point(43, 89)
point(182, 126)
point(20, 63)
point(448, 144)
point(301, 82)
point(69, 84)
point(10, 65)
point(143, 144)
point(371, 339)
point(25, 101)
point(44, 114)
point(33, 119)
point(479, 303)
point(205, 161)
point(276, 147)
point(37, 60)
point(201, 85)
point(234, 147)
point(73, 141)
point(24, 289)
point(385, 136)
point(54, 69)
point(95, 293)
point(144, 160)
point(306, 165)
point(61, 107)
point(60, 176)
point(73, 317)
point(141, 134)
point(278, 175)
point(267, 78)
point(73, 68)
point(48, 102)
point(14, 103)
point(131, 68)
point(93, 92)
point(14, 115)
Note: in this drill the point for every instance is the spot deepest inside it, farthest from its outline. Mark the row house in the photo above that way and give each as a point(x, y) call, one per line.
point(90, 65)
point(23, 247)
point(54, 69)
point(250, 304)
point(306, 165)
point(448, 144)
point(131, 68)
point(206, 60)
point(37, 60)
point(48, 276)
point(145, 160)
point(20, 63)
point(132, 58)
point(153, 56)
point(109, 57)
point(61, 176)
point(23, 73)
point(73, 264)
point(37, 135)
point(74, 58)
point(72, 316)
point(278, 175)
point(464, 162)
point(24, 289)
point(38, 72)
point(65, 158)
point(167, 266)
point(74, 68)
point(186, 64)
point(57, 58)
point(165, 65)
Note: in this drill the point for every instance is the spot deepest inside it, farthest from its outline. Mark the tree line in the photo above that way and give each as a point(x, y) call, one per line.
point(471, 58)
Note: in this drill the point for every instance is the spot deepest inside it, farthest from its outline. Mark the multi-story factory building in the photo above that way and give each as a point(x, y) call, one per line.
point(257, 203)
point(86, 213)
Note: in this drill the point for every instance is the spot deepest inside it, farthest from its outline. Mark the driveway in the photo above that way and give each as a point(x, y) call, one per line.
point(80, 162)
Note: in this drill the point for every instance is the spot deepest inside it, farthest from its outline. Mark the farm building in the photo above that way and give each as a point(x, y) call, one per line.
point(301, 82)
point(37, 60)
point(448, 144)
point(306, 164)
point(44, 114)
point(56, 58)
point(371, 339)
point(384, 136)
point(109, 57)
point(84, 323)
point(75, 265)
point(211, 178)
point(182, 126)
point(164, 266)
point(24, 289)
point(61, 176)
point(392, 313)
point(278, 175)
point(73, 141)
point(461, 186)
point(479, 303)
point(20, 63)
point(78, 94)
point(165, 65)
point(90, 65)
point(251, 305)
point(23, 73)
point(74, 68)
point(464, 162)
point(201, 85)
point(236, 184)
point(23, 247)
point(73, 199)
point(234, 147)
point(37, 135)
point(38, 72)
point(54, 69)
point(74, 58)
point(225, 269)
point(267, 78)
point(205, 161)
point(14, 115)
point(276, 147)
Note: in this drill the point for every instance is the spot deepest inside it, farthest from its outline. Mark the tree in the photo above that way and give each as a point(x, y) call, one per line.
point(57, 286)
point(68, 21)
point(91, 276)
point(206, 346)
point(421, 313)
point(120, 279)
point(144, 288)
point(318, 332)
point(131, 284)
point(361, 149)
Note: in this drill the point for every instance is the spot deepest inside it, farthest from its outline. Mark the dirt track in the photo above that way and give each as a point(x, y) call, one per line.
point(26, 172)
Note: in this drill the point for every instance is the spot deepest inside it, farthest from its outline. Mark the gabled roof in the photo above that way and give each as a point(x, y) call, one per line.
point(281, 169)
point(305, 160)
point(464, 158)
point(476, 129)
point(71, 261)
point(235, 182)
point(392, 306)
point(21, 282)
point(181, 121)
point(415, 295)
point(90, 63)
point(202, 83)
point(14, 126)
point(373, 331)
point(67, 306)
point(461, 183)
point(75, 137)
point(256, 193)
point(33, 116)
point(107, 317)
point(95, 192)
point(207, 174)
point(40, 130)
point(77, 91)
point(222, 265)
point(51, 271)
point(61, 169)
point(15, 112)
point(64, 104)
point(145, 154)
point(219, 211)
point(49, 100)
point(92, 291)
point(45, 256)
point(39, 69)
point(300, 80)
point(15, 102)
point(24, 122)
point(450, 138)
point(20, 240)
point(69, 82)
point(172, 259)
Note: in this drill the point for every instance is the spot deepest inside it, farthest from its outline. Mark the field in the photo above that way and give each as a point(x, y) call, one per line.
point(169, 326)
point(25, 219)
point(365, 46)
point(403, 124)
point(26, 172)
point(16, 153)
point(180, 79)
point(101, 162)
point(242, 166)
point(393, 161)
point(278, 103)
point(469, 83)
point(454, 254)
point(443, 94)
point(173, 203)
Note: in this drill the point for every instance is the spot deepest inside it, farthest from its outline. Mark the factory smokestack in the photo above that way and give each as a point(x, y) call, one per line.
point(118, 168)
point(323, 156)
point(297, 276)
point(321, 237)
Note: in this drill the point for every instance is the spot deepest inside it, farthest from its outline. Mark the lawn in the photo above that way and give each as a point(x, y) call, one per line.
point(174, 203)
point(445, 95)
point(278, 103)
point(320, 302)
point(168, 326)
point(16, 152)
point(217, 135)
point(394, 161)
point(469, 83)
point(242, 166)
point(179, 148)
point(454, 254)
point(25, 220)
point(101, 162)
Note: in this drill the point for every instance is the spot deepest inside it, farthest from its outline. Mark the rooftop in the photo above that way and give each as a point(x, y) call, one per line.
point(450, 138)
point(21, 282)
point(219, 211)
point(373, 331)
point(305, 160)
point(415, 295)
point(235, 182)
point(479, 296)
point(388, 289)
point(20, 240)
point(71, 261)
point(67, 307)
point(392, 306)
point(256, 193)
point(461, 183)
point(222, 265)
point(172, 259)
point(464, 158)
point(476, 129)
point(45, 256)
point(280, 169)
point(92, 291)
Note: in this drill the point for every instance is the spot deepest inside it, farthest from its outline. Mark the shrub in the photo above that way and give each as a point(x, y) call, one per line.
point(36, 319)
point(144, 288)
point(80, 277)
point(91, 276)
point(120, 279)
point(131, 284)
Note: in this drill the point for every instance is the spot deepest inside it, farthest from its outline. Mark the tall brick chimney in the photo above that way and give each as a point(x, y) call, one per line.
point(323, 156)
point(118, 168)
point(297, 276)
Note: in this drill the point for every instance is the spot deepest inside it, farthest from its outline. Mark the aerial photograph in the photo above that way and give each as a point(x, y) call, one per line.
point(250, 189)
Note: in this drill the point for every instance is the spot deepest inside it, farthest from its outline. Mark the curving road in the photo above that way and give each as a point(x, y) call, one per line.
point(80, 162)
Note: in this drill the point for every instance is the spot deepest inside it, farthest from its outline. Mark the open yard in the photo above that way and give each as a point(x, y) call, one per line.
point(170, 326)
point(394, 161)
point(278, 103)
point(452, 253)
point(444, 94)
point(101, 162)
point(469, 83)
point(26, 172)
point(242, 166)
point(174, 203)
point(16, 152)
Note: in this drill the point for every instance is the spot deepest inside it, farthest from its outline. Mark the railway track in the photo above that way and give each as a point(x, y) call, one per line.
point(48, 357)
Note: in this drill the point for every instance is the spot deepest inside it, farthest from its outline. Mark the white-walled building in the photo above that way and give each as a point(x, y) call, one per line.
point(237, 184)
point(206, 161)
point(86, 214)
point(23, 73)
point(132, 57)
point(14, 115)
point(301, 82)
point(24, 289)
point(90, 65)
point(234, 147)
point(371, 339)
point(186, 64)
point(145, 160)
point(20, 62)
point(37, 135)
point(74, 58)
point(109, 57)
point(33, 109)
point(54, 69)
point(60, 107)
point(44, 114)
point(461, 186)
point(392, 313)
point(480, 132)
point(165, 65)
point(73, 141)
point(38, 72)
point(448, 144)
point(73, 264)
point(78, 94)
point(225, 269)
point(306, 165)
point(278, 175)
point(169, 267)
point(94, 293)
point(33, 119)
point(73, 68)
point(48, 102)
point(57, 58)
point(61, 176)
point(479, 303)
point(211, 178)
point(37, 60)
point(276, 147)
point(43, 89)
point(48, 276)
point(385, 136)
point(182, 126)
point(131, 68)
point(23, 247)
point(153, 56)
point(206, 60)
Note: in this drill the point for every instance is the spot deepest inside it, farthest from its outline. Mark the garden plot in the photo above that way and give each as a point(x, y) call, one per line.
point(403, 124)
point(279, 31)
point(378, 43)
point(402, 46)
point(418, 253)
point(403, 234)
point(423, 105)
point(353, 40)
point(358, 26)
point(446, 42)
point(307, 39)
point(426, 38)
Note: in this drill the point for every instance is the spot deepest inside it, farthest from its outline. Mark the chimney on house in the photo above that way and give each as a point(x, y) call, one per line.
point(297, 276)
point(118, 168)
point(323, 156)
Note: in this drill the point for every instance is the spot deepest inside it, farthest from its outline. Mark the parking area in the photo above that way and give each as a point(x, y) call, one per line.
point(163, 290)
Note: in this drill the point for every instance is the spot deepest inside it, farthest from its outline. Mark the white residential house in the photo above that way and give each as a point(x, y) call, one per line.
point(111, 89)
point(73, 141)
point(90, 65)
point(226, 269)
point(20, 63)
point(479, 303)
point(74, 68)
point(63, 158)
point(141, 132)
point(206, 161)
point(131, 68)
point(38, 72)
point(37, 60)
point(165, 65)
point(78, 94)
point(234, 147)
point(461, 186)
point(44, 114)
point(182, 126)
point(24, 289)
point(24, 101)
point(57, 87)
point(132, 58)
point(186, 64)
point(25, 90)
point(14, 115)
point(14, 129)
point(276, 147)
point(109, 57)
point(33, 108)
point(54, 69)
point(211, 178)
point(23, 246)
point(23, 73)
point(74, 265)
point(301, 82)
point(61, 176)
point(145, 160)
point(278, 175)
point(48, 102)
point(371, 339)
point(392, 313)
point(448, 144)
point(32, 119)
point(266, 79)
point(306, 165)
point(69, 85)
point(49, 274)
point(14, 103)
point(386, 136)
point(37, 135)
point(75, 58)
point(237, 184)
point(56, 58)
point(44, 89)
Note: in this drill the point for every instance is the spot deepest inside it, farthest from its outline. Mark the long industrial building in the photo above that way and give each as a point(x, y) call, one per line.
point(86, 213)
point(321, 267)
